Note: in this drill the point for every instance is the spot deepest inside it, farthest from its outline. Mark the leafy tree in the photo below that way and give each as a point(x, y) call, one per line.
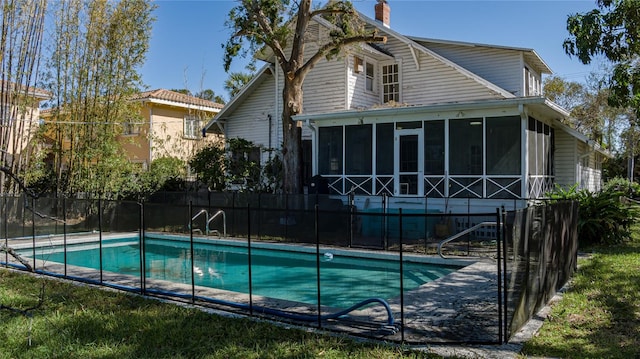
point(96, 50)
point(568, 94)
point(237, 167)
point(209, 164)
point(164, 173)
point(236, 81)
point(182, 91)
point(590, 112)
point(280, 26)
point(613, 31)
point(210, 95)
point(242, 170)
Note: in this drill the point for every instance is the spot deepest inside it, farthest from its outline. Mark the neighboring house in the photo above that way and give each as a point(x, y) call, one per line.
point(169, 125)
point(419, 118)
point(19, 118)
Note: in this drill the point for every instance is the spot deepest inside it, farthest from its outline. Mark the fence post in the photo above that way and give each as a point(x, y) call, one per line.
point(501, 309)
point(6, 228)
point(99, 239)
point(64, 235)
point(317, 230)
point(193, 261)
point(249, 258)
point(33, 229)
point(143, 260)
point(352, 218)
point(385, 221)
point(502, 221)
point(401, 276)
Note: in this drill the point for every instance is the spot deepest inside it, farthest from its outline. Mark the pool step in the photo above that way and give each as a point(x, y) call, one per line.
point(424, 276)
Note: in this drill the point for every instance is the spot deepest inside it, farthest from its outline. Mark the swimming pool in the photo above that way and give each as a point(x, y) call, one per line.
point(277, 271)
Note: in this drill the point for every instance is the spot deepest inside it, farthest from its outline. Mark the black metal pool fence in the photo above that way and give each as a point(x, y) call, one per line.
point(512, 262)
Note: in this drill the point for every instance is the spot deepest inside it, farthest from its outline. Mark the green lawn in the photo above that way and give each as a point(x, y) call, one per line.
point(599, 317)
point(84, 322)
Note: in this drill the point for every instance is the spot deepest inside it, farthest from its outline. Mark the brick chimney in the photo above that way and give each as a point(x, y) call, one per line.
point(383, 12)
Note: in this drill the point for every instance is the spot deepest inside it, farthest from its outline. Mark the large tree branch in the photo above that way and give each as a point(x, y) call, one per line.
point(302, 22)
point(325, 49)
point(18, 257)
point(268, 37)
point(331, 11)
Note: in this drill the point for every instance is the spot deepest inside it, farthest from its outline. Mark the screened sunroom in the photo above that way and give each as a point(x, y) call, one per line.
point(488, 157)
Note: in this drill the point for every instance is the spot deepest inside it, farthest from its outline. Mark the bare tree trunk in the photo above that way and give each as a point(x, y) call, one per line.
point(292, 146)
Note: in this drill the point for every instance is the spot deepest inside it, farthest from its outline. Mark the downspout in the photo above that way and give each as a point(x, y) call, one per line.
point(270, 145)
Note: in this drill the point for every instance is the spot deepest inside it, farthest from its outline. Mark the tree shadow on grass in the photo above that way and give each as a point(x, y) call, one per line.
point(600, 315)
point(84, 322)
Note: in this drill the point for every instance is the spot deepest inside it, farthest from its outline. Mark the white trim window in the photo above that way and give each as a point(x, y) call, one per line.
point(532, 83)
point(390, 82)
point(191, 127)
point(368, 68)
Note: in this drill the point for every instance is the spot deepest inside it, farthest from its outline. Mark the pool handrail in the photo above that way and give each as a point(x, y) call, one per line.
point(208, 220)
point(460, 234)
point(224, 223)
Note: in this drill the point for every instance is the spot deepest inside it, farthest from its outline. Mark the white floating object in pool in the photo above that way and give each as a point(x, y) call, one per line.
point(197, 271)
point(328, 256)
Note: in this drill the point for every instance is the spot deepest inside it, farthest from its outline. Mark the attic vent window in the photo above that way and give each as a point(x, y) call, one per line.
point(358, 64)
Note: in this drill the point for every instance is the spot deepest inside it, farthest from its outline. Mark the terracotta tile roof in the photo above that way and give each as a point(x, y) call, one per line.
point(167, 95)
point(31, 91)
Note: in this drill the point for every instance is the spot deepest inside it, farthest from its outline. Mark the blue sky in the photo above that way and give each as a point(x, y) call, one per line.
point(186, 44)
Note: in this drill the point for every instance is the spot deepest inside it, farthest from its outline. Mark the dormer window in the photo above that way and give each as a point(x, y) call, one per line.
point(531, 83)
point(367, 68)
point(370, 77)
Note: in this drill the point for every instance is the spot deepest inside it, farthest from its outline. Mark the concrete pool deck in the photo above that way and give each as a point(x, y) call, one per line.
point(460, 307)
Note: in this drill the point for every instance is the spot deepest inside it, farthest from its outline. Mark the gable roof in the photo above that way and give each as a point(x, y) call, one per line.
point(237, 100)
point(167, 97)
point(417, 47)
point(530, 55)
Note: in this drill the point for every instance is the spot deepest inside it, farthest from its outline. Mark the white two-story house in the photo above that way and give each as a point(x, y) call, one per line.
point(418, 118)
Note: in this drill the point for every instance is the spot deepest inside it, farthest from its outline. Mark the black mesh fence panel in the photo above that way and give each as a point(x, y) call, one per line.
point(399, 269)
point(541, 244)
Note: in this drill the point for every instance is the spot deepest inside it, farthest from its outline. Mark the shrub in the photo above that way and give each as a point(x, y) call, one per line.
point(604, 217)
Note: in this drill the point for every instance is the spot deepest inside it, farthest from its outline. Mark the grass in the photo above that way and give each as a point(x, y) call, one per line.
point(76, 321)
point(599, 317)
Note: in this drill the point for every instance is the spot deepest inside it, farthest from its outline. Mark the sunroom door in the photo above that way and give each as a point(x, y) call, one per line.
point(409, 162)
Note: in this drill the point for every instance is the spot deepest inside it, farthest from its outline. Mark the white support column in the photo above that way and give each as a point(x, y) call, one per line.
point(524, 156)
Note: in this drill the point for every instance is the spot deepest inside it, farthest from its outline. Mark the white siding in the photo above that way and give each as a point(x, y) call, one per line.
point(590, 172)
point(324, 87)
point(250, 120)
point(565, 159)
point(357, 96)
point(434, 81)
point(502, 67)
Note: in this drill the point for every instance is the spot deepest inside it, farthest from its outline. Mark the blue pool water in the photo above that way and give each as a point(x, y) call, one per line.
point(275, 273)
